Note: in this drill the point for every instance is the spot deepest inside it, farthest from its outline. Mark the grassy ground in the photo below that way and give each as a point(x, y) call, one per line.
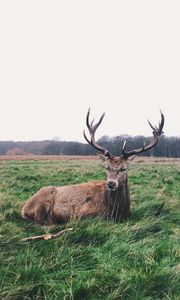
point(136, 259)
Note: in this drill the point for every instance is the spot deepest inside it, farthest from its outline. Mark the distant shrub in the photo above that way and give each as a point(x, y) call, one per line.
point(16, 151)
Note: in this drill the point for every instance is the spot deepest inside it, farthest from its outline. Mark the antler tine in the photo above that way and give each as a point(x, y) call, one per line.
point(87, 119)
point(124, 147)
point(92, 129)
point(161, 124)
point(157, 131)
point(153, 127)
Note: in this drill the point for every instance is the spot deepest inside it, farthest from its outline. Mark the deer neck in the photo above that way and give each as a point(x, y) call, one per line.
point(118, 202)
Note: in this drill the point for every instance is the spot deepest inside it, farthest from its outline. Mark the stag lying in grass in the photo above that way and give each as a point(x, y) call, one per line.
point(110, 198)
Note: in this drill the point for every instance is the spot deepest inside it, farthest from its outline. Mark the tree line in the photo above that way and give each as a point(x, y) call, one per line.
point(167, 146)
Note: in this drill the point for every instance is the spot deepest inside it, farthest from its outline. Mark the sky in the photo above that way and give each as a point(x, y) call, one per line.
point(58, 58)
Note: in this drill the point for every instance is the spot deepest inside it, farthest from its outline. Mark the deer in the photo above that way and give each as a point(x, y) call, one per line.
point(108, 198)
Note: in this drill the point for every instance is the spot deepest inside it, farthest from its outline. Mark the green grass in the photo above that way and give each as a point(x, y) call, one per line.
point(135, 259)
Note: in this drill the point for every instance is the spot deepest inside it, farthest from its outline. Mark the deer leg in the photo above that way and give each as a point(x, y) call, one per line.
point(43, 215)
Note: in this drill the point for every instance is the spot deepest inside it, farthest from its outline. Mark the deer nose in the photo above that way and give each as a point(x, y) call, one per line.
point(111, 185)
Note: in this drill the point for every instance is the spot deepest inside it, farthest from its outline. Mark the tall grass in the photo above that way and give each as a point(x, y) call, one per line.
point(135, 259)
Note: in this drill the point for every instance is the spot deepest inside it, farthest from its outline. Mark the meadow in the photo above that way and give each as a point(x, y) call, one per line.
point(137, 259)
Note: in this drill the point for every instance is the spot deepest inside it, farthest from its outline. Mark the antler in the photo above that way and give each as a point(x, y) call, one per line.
point(157, 131)
point(92, 129)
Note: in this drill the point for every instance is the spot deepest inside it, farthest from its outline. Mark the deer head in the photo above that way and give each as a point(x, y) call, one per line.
point(116, 167)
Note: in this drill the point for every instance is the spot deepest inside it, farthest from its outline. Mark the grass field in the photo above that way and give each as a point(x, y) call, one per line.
point(136, 259)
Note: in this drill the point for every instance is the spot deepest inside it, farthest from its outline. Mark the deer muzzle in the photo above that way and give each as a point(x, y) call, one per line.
point(112, 185)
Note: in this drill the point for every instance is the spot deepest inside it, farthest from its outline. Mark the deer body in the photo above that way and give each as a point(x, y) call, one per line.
point(110, 198)
point(52, 205)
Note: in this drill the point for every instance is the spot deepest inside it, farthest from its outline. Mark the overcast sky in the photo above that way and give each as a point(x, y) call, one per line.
point(58, 58)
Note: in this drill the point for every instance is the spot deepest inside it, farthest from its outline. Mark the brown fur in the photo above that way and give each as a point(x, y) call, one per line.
point(52, 205)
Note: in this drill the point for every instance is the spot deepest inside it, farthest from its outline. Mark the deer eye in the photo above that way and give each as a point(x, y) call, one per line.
point(122, 170)
point(107, 168)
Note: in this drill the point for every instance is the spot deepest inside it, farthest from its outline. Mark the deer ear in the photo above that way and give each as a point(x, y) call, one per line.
point(103, 157)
